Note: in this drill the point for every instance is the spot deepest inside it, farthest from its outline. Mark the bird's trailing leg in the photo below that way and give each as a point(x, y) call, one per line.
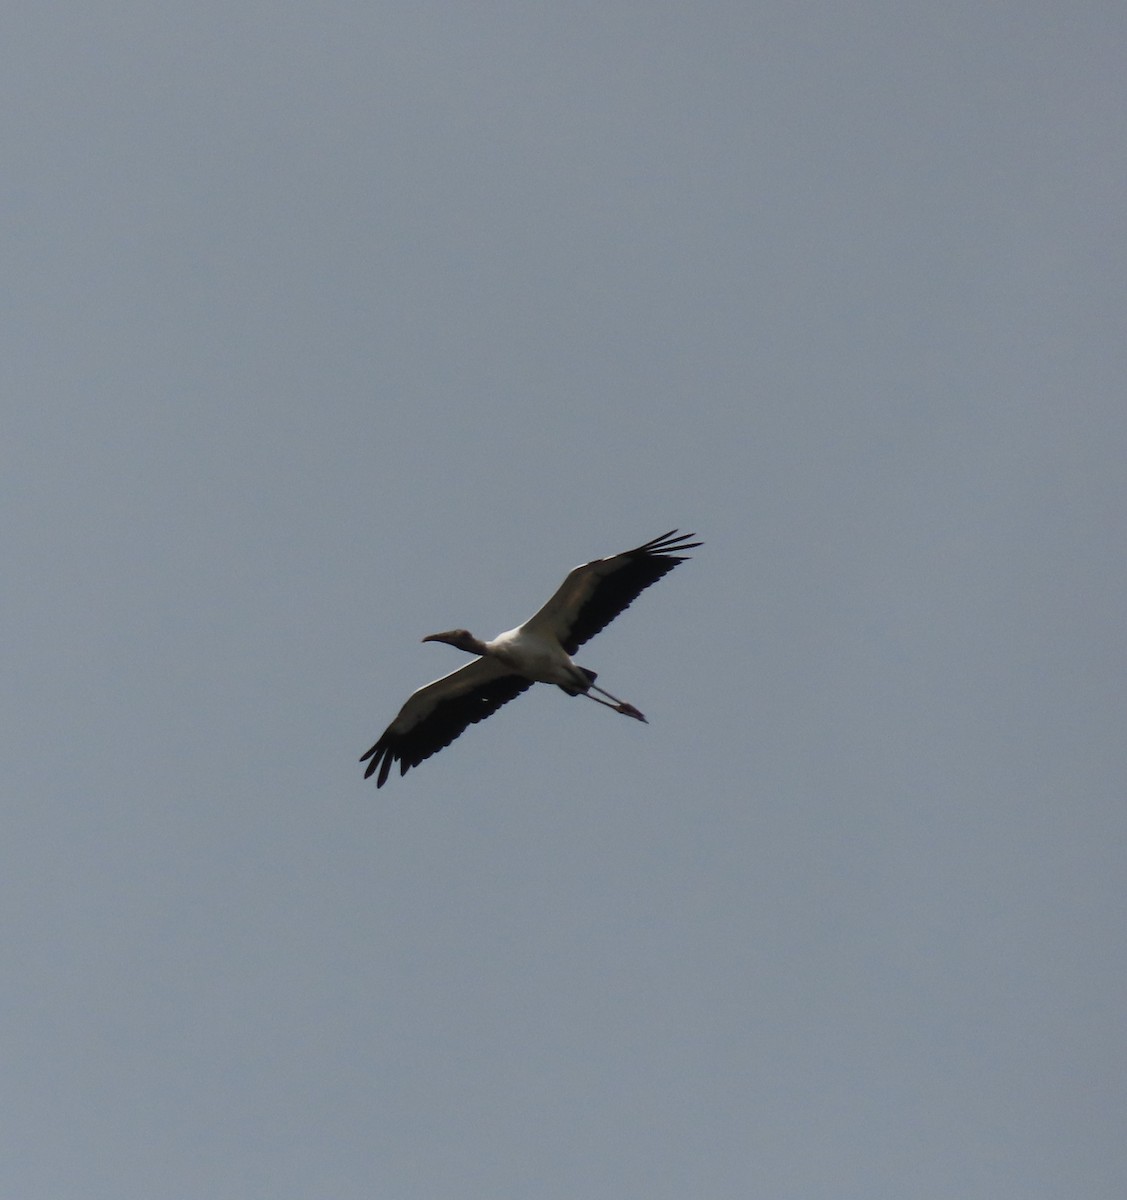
point(627, 710)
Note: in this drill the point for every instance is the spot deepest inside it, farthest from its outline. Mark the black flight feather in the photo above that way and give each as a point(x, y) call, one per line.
point(440, 727)
point(630, 574)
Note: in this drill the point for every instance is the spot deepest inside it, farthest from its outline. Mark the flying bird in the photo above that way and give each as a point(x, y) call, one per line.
point(539, 651)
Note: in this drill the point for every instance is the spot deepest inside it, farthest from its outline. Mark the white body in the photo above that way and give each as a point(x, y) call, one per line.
point(537, 656)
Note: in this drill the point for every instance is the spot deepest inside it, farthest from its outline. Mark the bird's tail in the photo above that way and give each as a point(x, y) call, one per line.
point(574, 691)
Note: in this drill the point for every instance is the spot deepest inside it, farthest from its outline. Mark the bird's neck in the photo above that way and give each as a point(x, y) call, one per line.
point(473, 645)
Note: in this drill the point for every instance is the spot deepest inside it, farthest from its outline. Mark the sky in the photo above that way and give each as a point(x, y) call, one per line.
point(330, 326)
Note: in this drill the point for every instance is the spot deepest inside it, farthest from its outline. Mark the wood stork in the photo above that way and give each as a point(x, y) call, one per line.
point(539, 651)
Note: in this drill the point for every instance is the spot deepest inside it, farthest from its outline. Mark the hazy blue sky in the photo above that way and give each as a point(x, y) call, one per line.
point(330, 325)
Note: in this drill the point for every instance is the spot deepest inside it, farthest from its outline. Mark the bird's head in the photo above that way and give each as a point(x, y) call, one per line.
point(461, 638)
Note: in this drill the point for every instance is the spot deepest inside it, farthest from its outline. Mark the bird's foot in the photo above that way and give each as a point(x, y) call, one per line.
point(628, 710)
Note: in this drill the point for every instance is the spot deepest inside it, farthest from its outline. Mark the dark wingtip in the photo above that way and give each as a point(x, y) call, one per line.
point(669, 543)
point(381, 760)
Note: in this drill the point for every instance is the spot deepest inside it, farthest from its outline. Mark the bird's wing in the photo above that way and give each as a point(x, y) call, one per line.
point(595, 593)
point(437, 713)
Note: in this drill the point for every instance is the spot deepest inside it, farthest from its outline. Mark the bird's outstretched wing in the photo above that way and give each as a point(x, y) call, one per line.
point(437, 713)
point(595, 593)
